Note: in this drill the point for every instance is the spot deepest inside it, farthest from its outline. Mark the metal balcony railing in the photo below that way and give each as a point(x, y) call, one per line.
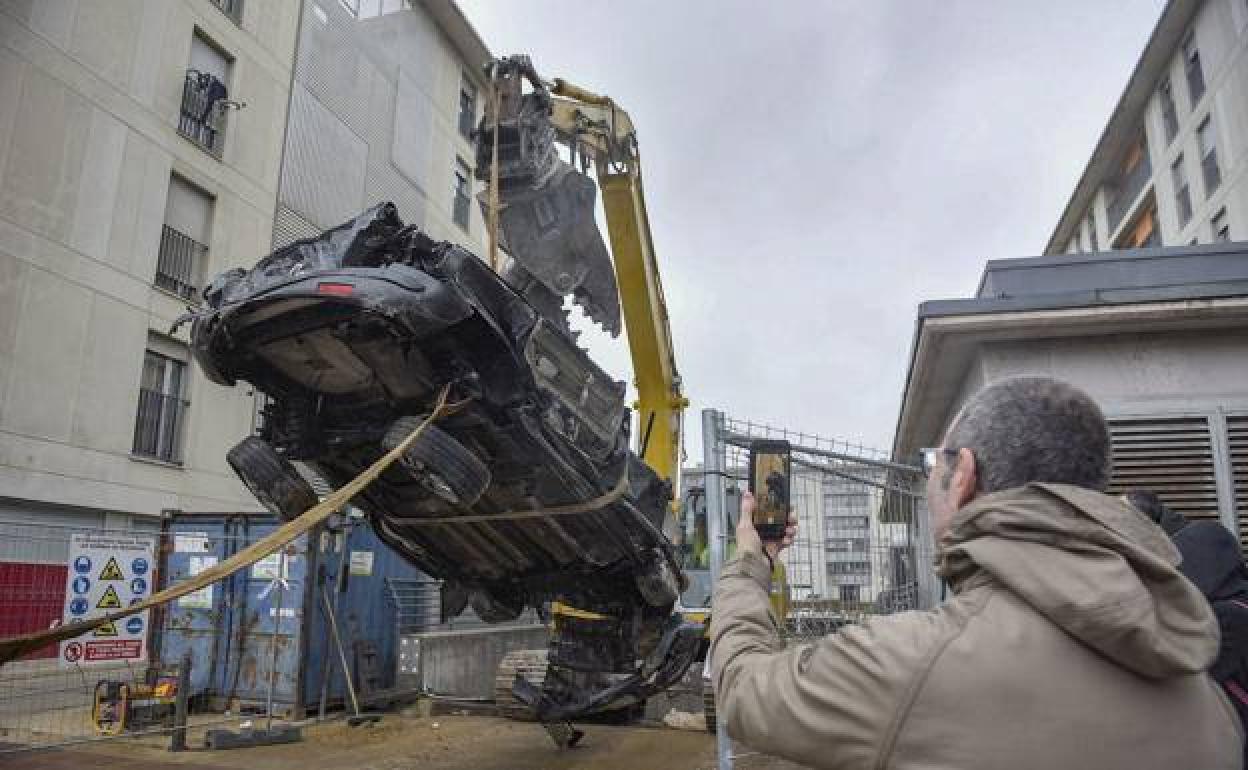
point(158, 426)
point(1128, 189)
point(231, 8)
point(201, 118)
point(178, 263)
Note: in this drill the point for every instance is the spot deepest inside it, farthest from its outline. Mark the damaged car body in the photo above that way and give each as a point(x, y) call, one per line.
point(352, 335)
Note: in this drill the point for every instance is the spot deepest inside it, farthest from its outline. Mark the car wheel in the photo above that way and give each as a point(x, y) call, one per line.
point(271, 478)
point(441, 464)
point(495, 607)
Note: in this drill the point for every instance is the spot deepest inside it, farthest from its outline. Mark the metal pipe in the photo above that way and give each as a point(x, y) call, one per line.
point(328, 671)
point(277, 626)
point(713, 458)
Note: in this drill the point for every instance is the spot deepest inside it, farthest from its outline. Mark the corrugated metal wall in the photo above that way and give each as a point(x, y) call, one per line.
point(361, 120)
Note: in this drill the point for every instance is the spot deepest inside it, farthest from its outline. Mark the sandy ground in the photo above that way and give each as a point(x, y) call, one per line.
point(400, 743)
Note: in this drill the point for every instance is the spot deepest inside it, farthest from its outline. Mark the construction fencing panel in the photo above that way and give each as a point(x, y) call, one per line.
point(863, 543)
point(112, 682)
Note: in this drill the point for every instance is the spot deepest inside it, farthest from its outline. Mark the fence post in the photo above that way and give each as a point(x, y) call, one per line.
point(178, 742)
point(713, 464)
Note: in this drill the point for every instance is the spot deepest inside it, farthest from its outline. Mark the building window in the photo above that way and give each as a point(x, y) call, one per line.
point(231, 8)
point(467, 106)
point(851, 593)
point(162, 410)
point(1191, 64)
point(1182, 193)
point(183, 253)
point(1142, 232)
point(204, 96)
point(1207, 138)
point(1093, 242)
point(1169, 115)
point(463, 200)
point(1221, 227)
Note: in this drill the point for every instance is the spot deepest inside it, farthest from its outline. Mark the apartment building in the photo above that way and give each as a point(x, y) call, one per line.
point(146, 147)
point(140, 151)
point(1170, 168)
point(386, 96)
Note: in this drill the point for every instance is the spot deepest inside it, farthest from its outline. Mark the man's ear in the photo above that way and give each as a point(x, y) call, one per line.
point(964, 479)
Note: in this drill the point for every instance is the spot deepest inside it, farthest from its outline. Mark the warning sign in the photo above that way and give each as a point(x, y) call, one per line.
point(92, 590)
point(109, 601)
point(112, 571)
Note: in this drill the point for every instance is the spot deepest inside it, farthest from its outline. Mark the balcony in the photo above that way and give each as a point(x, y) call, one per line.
point(201, 117)
point(231, 8)
point(1128, 190)
point(158, 426)
point(178, 263)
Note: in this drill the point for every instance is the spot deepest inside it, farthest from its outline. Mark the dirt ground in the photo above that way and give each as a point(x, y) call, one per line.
point(433, 743)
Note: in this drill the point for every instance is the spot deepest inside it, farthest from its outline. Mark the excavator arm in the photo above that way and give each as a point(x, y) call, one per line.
point(595, 127)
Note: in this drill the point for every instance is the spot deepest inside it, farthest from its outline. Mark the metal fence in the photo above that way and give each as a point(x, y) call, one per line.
point(863, 545)
point(113, 683)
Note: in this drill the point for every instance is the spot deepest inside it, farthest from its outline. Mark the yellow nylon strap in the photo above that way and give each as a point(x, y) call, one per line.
point(17, 646)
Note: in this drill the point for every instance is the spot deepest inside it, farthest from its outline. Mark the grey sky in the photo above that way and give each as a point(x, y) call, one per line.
point(814, 170)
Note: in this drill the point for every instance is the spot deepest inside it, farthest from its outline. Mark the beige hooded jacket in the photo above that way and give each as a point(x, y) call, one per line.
point(1072, 642)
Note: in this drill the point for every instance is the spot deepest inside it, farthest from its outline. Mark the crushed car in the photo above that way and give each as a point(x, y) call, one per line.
point(351, 335)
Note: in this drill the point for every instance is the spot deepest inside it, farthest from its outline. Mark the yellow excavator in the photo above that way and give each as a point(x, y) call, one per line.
point(541, 211)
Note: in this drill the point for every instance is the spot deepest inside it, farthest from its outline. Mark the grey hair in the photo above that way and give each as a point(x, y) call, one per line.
point(1028, 429)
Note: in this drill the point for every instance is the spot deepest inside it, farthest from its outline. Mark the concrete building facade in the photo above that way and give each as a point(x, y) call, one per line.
point(1171, 167)
point(1158, 337)
point(386, 95)
point(147, 145)
point(140, 150)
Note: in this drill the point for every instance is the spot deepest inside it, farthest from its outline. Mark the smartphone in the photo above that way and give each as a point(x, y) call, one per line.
point(770, 468)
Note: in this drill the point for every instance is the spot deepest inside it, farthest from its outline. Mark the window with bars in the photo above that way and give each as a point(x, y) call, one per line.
point(1207, 138)
point(183, 238)
point(467, 106)
point(1182, 191)
point(1172, 456)
point(1169, 115)
point(162, 409)
point(201, 117)
point(463, 200)
point(1191, 65)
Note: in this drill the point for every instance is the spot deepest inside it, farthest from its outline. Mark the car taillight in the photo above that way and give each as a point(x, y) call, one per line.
point(336, 289)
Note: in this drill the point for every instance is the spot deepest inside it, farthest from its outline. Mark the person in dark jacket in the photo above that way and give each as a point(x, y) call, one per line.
point(1213, 562)
point(1148, 503)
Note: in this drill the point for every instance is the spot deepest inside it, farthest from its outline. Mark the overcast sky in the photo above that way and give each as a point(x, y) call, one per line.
point(814, 170)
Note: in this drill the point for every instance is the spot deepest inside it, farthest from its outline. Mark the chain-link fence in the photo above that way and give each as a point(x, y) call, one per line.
point(863, 546)
point(259, 642)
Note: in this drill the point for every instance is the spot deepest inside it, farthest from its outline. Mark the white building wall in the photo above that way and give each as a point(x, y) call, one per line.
point(88, 141)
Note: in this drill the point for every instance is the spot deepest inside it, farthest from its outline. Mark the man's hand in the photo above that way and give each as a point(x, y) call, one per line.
point(747, 536)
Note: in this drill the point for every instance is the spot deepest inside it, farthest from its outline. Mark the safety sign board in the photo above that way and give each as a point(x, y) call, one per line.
point(106, 572)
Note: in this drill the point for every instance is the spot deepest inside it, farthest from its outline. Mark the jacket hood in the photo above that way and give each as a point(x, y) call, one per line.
point(1211, 559)
point(1093, 566)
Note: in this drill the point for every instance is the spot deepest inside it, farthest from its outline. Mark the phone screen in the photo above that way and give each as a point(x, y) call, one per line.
point(770, 468)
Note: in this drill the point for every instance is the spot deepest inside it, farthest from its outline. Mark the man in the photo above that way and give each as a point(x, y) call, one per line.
point(1072, 640)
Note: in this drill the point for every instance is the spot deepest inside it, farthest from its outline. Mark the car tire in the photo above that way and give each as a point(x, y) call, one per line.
point(441, 464)
point(271, 478)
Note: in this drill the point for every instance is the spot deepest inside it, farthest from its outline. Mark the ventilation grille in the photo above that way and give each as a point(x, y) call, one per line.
point(1237, 443)
point(1170, 456)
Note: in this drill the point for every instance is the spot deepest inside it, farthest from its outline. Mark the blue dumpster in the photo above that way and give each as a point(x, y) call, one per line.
point(271, 616)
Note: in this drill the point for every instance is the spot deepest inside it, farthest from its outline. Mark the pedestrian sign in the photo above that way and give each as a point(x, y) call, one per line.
point(109, 601)
point(91, 590)
point(112, 571)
